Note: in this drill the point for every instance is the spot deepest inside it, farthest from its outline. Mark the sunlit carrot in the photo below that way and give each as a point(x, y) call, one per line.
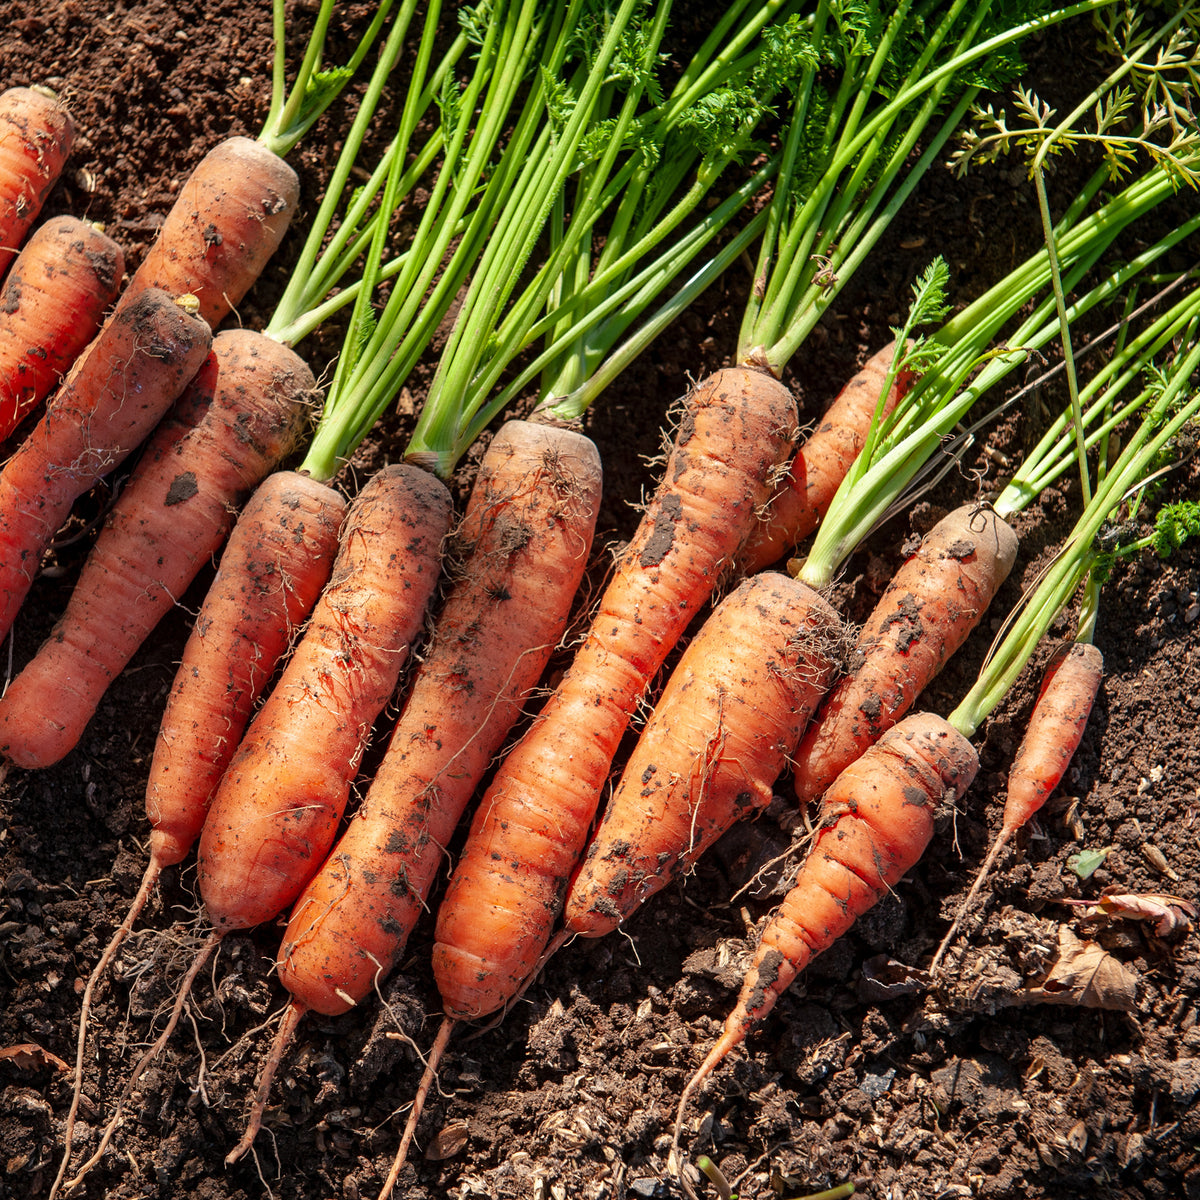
point(51, 305)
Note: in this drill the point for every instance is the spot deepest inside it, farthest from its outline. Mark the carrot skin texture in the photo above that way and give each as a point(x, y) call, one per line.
point(275, 564)
point(721, 734)
point(820, 463)
point(527, 532)
point(244, 411)
point(36, 133)
point(52, 303)
point(114, 396)
point(876, 821)
point(934, 601)
point(276, 811)
point(1069, 687)
point(531, 825)
point(228, 220)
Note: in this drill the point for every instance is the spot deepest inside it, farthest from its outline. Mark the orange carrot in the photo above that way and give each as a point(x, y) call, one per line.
point(52, 303)
point(526, 535)
point(113, 397)
point(241, 415)
point(721, 734)
point(229, 219)
point(276, 811)
point(876, 821)
point(821, 462)
point(932, 603)
point(530, 828)
point(1069, 687)
point(36, 133)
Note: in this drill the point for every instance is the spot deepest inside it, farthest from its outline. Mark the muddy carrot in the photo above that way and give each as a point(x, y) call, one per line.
point(110, 401)
point(36, 133)
point(52, 303)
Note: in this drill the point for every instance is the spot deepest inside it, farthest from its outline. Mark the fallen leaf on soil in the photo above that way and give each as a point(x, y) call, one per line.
point(29, 1056)
point(1172, 914)
point(448, 1141)
point(883, 978)
point(1085, 973)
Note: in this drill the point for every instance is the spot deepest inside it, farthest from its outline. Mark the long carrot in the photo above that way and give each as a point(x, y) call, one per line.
point(525, 536)
point(498, 913)
point(930, 607)
point(111, 400)
point(822, 460)
point(235, 422)
point(53, 301)
point(36, 133)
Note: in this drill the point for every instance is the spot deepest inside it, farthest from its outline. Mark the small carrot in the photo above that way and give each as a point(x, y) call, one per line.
point(276, 811)
point(36, 133)
point(51, 305)
point(113, 397)
point(526, 535)
point(876, 821)
point(822, 460)
point(720, 735)
point(529, 832)
point(931, 605)
point(241, 415)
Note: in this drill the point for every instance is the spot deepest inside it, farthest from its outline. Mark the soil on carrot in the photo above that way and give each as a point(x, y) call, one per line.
point(1060, 1056)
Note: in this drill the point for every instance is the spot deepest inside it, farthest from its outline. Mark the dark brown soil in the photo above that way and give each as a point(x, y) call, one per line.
point(856, 1076)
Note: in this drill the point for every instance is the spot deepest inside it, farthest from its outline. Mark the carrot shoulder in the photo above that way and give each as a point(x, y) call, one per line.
point(276, 811)
point(821, 461)
point(526, 535)
point(719, 737)
point(530, 828)
point(239, 417)
point(53, 301)
point(116, 393)
point(36, 133)
point(930, 607)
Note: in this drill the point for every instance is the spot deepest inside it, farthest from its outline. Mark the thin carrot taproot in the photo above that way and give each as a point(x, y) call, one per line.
point(822, 460)
point(504, 896)
point(36, 133)
point(927, 611)
point(526, 535)
point(110, 401)
point(52, 303)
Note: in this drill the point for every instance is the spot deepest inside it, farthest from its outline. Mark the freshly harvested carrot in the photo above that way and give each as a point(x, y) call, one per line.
point(242, 414)
point(930, 607)
point(876, 821)
point(821, 462)
point(113, 397)
point(531, 825)
point(721, 734)
point(36, 133)
point(276, 811)
point(229, 219)
point(52, 304)
point(1060, 715)
point(526, 536)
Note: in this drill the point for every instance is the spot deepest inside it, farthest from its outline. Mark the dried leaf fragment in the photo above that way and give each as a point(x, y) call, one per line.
point(1084, 973)
point(29, 1056)
point(1171, 914)
point(448, 1141)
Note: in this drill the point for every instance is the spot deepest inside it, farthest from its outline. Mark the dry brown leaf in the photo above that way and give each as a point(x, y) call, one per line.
point(448, 1141)
point(1172, 914)
point(29, 1056)
point(1084, 973)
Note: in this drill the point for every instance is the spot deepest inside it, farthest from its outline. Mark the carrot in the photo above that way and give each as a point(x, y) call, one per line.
point(721, 734)
point(276, 811)
point(530, 828)
point(36, 133)
point(527, 532)
point(933, 602)
point(244, 412)
point(229, 219)
point(52, 304)
point(876, 821)
point(112, 398)
point(822, 460)
point(1060, 715)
